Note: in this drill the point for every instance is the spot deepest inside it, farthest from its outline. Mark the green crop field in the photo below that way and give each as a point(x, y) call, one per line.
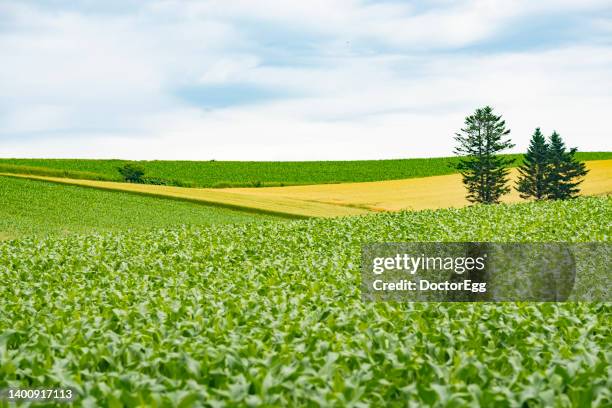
point(37, 207)
point(237, 174)
point(270, 314)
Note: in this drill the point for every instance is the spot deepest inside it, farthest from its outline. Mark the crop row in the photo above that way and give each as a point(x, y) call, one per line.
point(271, 314)
point(36, 208)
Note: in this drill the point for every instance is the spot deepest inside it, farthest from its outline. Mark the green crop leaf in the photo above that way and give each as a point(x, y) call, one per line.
point(270, 314)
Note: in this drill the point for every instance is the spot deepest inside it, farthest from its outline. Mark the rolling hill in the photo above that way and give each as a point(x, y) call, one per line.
point(40, 208)
point(218, 174)
point(326, 200)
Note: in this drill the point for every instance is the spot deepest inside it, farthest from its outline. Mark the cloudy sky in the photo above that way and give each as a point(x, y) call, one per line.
point(296, 80)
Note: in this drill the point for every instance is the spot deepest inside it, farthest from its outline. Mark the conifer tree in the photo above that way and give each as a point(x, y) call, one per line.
point(565, 171)
point(485, 173)
point(533, 172)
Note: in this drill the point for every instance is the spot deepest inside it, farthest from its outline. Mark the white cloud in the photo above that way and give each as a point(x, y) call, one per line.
point(363, 80)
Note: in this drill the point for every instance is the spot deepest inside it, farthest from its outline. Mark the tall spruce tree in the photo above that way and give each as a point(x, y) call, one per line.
point(485, 173)
point(565, 171)
point(533, 172)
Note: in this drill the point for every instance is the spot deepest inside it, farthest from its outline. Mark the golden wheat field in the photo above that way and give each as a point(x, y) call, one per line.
point(417, 193)
point(333, 200)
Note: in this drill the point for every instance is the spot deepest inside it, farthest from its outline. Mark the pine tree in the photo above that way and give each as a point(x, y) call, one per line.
point(565, 171)
point(533, 172)
point(485, 173)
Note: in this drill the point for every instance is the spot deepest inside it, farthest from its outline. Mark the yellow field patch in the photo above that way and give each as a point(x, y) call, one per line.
point(416, 193)
point(332, 200)
point(5, 236)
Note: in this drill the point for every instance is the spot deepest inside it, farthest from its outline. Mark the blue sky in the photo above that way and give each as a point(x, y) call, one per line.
point(294, 80)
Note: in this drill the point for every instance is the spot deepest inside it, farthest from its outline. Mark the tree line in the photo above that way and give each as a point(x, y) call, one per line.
point(548, 171)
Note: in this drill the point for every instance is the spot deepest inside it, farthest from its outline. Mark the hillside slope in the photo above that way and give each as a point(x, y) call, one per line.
point(38, 208)
point(247, 174)
point(333, 200)
point(416, 193)
point(271, 315)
